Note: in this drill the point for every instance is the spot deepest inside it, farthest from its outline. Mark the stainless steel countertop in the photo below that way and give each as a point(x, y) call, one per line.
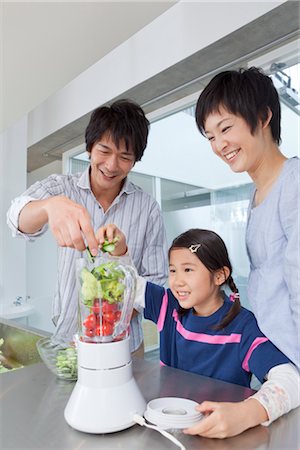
point(32, 403)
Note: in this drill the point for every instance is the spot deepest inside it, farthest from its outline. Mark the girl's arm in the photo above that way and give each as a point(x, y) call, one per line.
point(277, 396)
point(280, 393)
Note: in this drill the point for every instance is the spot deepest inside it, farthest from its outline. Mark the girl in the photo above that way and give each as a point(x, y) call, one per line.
point(239, 113)
point(204, 331)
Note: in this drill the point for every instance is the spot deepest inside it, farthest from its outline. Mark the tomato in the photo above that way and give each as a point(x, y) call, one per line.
point(90, 321)
point(110, 316)
point(96, 307)
point(89, 332)
point(109, 307)
point(105, 330)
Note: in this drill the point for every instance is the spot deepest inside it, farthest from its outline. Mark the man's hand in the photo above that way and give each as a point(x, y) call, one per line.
point(69, 222)
point(112, 234)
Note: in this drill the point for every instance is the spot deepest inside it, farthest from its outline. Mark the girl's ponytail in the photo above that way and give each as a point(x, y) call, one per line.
point(236, 305)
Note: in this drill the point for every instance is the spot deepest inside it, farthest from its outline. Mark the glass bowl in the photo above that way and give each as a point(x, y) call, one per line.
point(60, 358)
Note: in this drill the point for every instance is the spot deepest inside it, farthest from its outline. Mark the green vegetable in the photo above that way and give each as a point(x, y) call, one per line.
point(90, 257)
point(66, 363)
point(103, 282)
point(2, 367)
point(109, 247)
point(112, 291)
point(90, 288)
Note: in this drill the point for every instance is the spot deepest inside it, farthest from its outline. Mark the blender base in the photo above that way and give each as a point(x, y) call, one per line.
point(104, 400)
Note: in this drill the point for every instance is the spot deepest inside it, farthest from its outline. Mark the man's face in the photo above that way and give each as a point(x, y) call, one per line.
point(110, 164)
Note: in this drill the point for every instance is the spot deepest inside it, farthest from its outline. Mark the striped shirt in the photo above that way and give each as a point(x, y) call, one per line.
point(134, 211)
point(190, 342)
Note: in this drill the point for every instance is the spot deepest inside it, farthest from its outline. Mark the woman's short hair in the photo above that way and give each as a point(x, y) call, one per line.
point(247, 93)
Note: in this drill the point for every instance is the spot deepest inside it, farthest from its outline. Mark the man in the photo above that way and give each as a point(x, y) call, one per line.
point(74, 207)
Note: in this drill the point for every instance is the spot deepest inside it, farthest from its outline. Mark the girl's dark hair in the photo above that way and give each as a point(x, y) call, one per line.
point(213, 254)
point(123, 120)
point(247, 93)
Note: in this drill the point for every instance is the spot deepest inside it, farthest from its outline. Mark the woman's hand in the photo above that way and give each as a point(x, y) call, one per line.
point(111, 233)
point(224, 419)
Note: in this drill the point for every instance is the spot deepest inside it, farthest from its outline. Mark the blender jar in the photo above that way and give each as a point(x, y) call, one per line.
point(106, 289)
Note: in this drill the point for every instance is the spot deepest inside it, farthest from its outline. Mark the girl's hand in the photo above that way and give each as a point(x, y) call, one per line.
point(228, 419)
point(112, 234)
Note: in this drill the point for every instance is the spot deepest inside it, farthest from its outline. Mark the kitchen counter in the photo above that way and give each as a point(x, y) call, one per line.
point(32, 403)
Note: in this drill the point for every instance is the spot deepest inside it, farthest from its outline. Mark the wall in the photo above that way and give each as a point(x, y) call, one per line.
point(41, 264)
point(181, 31)
point(12, 182)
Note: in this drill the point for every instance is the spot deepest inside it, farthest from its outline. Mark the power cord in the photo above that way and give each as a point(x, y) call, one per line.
point(141, 421)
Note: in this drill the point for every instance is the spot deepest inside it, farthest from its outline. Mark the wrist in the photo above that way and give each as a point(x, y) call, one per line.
point(120, 252)
point(44, 206)
point(255, 412)
point(125, 253)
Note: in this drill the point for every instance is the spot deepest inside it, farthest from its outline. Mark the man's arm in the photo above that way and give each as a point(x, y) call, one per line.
point(68, 221)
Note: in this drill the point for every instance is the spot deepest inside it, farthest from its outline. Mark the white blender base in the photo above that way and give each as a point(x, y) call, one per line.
point(104, 400)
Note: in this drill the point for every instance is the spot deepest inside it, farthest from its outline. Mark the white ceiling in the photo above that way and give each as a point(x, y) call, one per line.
point(47, 44)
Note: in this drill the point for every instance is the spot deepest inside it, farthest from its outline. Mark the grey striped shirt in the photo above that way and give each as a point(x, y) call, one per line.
point(134, 211)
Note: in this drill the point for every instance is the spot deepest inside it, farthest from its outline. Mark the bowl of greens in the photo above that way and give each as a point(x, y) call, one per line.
point(60, 358)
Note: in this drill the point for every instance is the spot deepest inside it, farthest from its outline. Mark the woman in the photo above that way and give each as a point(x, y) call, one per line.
point(239, 113)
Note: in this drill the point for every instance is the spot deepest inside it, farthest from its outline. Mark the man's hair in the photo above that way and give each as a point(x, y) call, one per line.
point(247, 93)
point(125, 121)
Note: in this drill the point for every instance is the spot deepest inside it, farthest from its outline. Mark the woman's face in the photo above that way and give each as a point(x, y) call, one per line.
point(192, 284)
point(231, 139)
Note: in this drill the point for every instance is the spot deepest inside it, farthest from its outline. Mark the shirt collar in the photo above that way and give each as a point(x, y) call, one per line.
point(84, 179)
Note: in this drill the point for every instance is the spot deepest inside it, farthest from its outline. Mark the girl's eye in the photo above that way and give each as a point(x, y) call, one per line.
point(172, 270)
point(187, 269)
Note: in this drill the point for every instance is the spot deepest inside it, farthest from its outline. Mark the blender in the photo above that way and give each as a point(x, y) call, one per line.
point(106, 396)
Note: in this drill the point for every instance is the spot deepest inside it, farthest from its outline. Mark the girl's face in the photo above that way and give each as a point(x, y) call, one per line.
point(231, 139)
point(192, 284)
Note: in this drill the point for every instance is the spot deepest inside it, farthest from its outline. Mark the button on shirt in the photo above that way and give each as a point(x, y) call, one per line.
point(134, 211)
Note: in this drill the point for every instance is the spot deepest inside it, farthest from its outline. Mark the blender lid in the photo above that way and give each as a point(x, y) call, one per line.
point(172, 412)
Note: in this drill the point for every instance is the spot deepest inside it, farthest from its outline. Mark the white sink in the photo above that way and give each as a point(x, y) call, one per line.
point(16, 311)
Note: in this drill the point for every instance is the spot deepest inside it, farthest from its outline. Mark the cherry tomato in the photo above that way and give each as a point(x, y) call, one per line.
point(90, 321)
point(109, 307)
point(105, 330)
point(89, 332)
point(96, 307)
point(110, 316)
